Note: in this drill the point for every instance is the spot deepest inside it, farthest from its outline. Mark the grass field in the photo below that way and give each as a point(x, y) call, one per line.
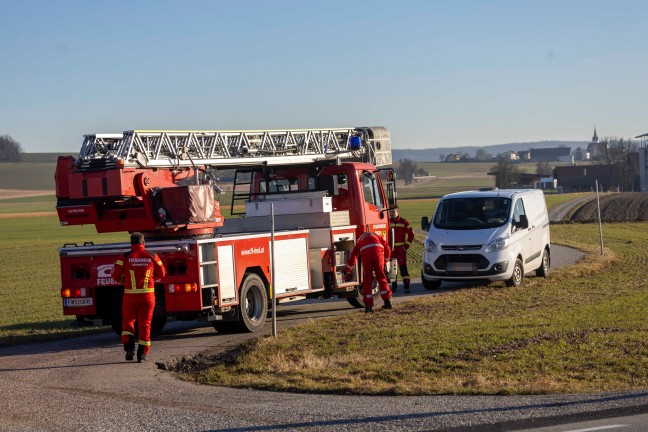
point(582, 330)
point(30, 281)
point(27, 176)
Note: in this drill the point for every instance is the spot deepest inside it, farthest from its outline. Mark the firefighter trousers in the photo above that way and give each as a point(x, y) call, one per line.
point(374, 265)
point(400, 253)
point(137, 307)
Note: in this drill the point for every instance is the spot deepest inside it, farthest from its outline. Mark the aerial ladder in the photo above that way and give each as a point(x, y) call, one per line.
point(129, 181)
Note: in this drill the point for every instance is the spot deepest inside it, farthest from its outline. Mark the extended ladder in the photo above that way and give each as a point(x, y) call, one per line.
point(229, 149)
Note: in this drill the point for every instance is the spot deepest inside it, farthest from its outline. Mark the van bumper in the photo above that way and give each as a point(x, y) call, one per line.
point(498, 271)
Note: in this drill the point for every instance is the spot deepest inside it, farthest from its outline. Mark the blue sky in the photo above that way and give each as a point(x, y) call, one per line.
point(435, 73)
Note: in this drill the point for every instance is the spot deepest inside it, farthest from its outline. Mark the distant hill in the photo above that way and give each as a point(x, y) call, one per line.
point(45, 157)
point(433, 154)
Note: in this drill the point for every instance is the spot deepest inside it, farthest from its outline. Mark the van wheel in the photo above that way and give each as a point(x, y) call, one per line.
point(546, 263)
point(517, 279)
point(253, 309)
point(430, 285)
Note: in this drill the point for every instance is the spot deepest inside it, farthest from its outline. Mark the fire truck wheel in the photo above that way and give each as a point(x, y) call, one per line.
point(225, 326)
point(253, 309)
point(157, 325)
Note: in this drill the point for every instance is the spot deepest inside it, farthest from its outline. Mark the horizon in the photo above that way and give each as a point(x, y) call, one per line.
point(435, 74)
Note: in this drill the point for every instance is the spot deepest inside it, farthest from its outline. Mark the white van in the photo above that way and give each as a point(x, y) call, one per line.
point(489, 235)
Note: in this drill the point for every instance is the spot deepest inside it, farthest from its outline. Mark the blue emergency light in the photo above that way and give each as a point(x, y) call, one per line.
point(355, 143)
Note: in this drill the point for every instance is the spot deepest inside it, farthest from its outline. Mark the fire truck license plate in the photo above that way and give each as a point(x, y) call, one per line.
point(77, 302)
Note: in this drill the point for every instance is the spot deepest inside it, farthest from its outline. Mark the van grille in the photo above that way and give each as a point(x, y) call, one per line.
point(461, 247)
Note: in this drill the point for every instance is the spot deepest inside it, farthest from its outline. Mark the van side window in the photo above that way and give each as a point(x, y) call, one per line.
point(518, 211)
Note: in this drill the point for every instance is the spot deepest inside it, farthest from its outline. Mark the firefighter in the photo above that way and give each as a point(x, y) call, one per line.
point(373, 251)
point(139, 269)
point(403, 237)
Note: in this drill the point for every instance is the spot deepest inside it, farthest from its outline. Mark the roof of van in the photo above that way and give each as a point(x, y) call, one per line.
point(507, 193)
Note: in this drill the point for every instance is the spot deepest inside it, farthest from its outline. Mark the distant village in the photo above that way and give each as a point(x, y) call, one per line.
point(611, 166)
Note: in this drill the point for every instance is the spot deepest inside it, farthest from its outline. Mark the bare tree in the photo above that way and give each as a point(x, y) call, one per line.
point(483, 156)
point(406, 170)
point(10, 149)
point(506, 173)
point(543, 168)
point(617, 153)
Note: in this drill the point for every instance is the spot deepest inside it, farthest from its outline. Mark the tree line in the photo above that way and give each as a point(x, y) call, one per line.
point(10, 149)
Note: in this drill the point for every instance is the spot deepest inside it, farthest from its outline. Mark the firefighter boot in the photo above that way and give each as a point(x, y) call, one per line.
point(388, 304)
point(394, 287)
point(368, 309)
point(406, 284)
point(129, 347)
point(141, 357)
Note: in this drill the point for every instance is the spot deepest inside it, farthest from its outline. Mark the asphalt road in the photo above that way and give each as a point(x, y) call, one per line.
point(84, 384)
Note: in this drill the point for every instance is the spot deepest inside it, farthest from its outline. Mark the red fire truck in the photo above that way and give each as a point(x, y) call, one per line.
point(299, 200)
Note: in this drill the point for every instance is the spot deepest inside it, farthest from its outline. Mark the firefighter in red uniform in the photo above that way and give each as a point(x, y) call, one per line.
point(403, 237)
point(373, 251)
point(140, 269)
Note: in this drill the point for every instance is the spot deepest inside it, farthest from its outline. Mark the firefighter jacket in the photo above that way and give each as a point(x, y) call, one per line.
point(140, 269)
point(403, 233)
point(369, 245)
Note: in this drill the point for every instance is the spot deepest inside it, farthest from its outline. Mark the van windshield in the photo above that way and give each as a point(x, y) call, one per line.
point(472, 213)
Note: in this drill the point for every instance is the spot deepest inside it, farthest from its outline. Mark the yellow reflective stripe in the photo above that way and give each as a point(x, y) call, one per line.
point(400, 244)
point(127, 333)
point(146, 278)
point(132, 275)
point(159, 262)
point(143, 342)
point(119, 262)
point(139, 291)
point(398, 225)
point(406, 278)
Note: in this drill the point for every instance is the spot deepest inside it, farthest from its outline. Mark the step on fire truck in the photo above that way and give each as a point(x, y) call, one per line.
point(323, 186)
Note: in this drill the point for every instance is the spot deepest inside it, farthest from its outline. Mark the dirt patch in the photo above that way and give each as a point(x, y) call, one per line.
point(26, 215)
point(17, 193)
point(619, 207)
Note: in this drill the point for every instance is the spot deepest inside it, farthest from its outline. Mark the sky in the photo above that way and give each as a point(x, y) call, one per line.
point(435, 73)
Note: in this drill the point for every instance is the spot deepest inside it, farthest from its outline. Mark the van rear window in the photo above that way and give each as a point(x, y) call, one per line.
point(472, 213)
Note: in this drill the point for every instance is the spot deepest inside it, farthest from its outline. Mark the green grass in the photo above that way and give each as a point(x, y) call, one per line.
point(39, 204)
point(30, 280)
point(27, 176)
point(570, 333)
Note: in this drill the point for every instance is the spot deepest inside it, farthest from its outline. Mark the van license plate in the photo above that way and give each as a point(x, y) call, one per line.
point(461, 267)
point(77, 302)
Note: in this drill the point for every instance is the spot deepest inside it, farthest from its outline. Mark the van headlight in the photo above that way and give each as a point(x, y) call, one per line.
point(430, 246)
point(498, 245)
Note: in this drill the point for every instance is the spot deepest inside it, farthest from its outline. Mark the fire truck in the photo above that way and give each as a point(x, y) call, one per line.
point(299, 200)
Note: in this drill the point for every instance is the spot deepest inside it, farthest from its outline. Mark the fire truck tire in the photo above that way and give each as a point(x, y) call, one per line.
point(225, 327)
point(157, 325)
point(253, 309)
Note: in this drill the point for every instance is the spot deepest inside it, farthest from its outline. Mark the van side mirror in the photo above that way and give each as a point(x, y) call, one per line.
point(425, 223)
point(523, 223)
